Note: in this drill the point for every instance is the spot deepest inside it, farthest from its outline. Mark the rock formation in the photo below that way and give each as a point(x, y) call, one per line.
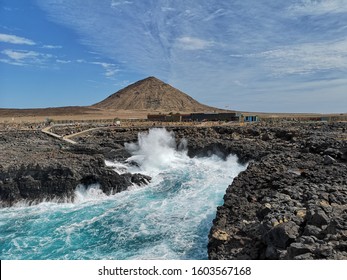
point(35, 167)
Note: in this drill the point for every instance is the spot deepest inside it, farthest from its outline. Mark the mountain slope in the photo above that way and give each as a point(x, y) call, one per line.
point(152, 94)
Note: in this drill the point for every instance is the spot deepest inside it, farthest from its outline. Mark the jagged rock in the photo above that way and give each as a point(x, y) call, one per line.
point(220, 235)
point(317, 218)
point(296, 249)
point(307, 256)
point(334, 153)
point(140, 179)
point(281, 235)
point(264, 211)
point(266, 137)
point(311, 230)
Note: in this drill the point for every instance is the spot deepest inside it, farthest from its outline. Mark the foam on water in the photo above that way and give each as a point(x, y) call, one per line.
point(168, 219)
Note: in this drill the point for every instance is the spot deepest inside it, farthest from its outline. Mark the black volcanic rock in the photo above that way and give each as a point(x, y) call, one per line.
point(36, 168)
point(290, 203)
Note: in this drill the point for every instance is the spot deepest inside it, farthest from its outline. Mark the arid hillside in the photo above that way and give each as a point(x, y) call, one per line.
point(154, 95)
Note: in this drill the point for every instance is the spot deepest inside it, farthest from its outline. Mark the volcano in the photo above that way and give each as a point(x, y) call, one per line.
point(154, 95)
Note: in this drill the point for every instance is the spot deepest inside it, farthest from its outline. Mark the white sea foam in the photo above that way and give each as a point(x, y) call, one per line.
point(92, 192)
point(119, 167)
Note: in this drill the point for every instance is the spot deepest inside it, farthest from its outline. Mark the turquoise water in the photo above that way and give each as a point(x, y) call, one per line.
point(168, 219)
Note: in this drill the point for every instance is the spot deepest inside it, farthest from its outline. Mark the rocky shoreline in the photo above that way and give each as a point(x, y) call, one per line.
point(35, 167)
point(290, 203)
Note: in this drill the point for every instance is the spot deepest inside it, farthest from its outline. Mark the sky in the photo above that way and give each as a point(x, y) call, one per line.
point(247, 55)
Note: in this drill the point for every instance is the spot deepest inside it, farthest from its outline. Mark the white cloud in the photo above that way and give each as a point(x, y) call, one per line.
point(20, 55)
point(51, 47)
point(110, 69)
point(11, 62)
point(318, 7)
point(116, 3)
point(23, 57)
point(218, 13)
point(167, 9)
point(62, 61)
point(191, 43)
point(13, 39)
point(306, 58)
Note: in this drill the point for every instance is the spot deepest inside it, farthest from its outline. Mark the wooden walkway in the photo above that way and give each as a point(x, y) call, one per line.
point(47, 131)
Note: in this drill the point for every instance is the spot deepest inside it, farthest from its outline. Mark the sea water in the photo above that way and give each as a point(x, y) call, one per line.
point(169, 218)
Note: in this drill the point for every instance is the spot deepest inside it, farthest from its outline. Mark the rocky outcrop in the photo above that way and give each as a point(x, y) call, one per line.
point(35, 183)
point(291, 202)
point(35, 167)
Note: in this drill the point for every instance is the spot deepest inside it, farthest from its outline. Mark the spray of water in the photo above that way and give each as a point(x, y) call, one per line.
point(156, 150)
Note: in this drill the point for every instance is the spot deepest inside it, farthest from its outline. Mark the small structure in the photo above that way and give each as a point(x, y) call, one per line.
point(156, 118)
point(173, 117)
point(214, 117)
point(325, 119)
point(198, 117)
point(251, 118)
point(186, 118)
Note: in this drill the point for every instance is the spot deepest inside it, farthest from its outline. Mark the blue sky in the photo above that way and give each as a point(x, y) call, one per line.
point(266, 55)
